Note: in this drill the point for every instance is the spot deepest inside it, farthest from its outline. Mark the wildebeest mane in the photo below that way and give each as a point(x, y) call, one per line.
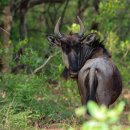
point(87, 52)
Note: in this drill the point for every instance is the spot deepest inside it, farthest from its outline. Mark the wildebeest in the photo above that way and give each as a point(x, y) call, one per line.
point(87, 60)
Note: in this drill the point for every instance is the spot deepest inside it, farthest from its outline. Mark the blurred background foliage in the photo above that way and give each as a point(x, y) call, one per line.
point(32, 93)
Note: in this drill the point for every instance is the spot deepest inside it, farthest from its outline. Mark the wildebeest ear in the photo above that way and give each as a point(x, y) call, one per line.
point(53, 40)
point(89, 38)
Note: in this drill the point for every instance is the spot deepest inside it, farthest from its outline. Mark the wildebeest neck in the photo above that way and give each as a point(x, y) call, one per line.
point(90, 53)
point(101, 52)
point(84, 54)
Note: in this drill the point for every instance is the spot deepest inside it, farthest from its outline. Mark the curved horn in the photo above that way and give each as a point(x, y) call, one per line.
point(56, 30)
point(81, 26)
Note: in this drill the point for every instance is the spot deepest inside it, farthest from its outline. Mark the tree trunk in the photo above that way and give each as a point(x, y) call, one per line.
point(22, 29)
point(22, 25)
point(22, 18)
point(81, 7)
point(7, 24)
point(95, 24)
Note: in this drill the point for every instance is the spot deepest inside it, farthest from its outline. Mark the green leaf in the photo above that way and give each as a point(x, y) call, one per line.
point(99, 113)
point(74, 28)
point(120, 107)
point(80, 111)
point(93, 125)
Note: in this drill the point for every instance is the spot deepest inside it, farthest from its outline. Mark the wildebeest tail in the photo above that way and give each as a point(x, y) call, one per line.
point(93, 82)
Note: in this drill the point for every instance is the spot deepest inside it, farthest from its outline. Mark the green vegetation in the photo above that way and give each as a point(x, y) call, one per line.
point(35, 100)
point(101, 118)
point(32, 93)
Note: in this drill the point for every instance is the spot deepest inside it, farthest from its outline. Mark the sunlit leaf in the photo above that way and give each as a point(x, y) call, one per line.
point(80, 111)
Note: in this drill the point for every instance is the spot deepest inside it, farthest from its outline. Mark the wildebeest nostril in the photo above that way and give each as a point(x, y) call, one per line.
point(73, 68)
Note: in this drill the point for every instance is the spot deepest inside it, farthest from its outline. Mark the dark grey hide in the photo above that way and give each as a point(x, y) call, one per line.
point(89, 63)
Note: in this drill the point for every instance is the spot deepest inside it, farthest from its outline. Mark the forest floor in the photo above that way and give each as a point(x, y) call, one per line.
point(39, 103)
point(124, 119)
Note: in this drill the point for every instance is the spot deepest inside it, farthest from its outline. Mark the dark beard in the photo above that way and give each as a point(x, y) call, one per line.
point(84, 54)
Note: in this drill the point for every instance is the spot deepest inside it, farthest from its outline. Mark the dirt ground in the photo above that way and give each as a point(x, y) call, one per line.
point(124, 121)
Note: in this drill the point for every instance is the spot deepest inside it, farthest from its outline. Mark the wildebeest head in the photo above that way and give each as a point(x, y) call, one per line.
point(75, 47)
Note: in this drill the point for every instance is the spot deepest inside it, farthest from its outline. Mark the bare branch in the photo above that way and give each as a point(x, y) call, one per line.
point(5, 31)
point(45, 63)
point(63, 13)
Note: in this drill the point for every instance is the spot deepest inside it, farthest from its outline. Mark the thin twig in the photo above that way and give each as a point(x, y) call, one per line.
point(45, 63)
point(5, 31)
point(124, 56)
point(63, 13)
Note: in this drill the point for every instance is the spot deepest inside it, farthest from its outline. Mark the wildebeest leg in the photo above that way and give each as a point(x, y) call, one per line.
point(93, 84)
point(103, 94)
point(83, 87)
point(87, 83)
point(83, 95)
